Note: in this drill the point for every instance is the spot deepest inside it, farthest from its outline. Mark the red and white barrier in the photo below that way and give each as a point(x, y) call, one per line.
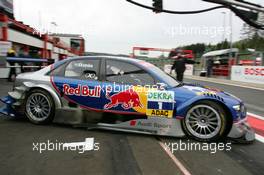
point(257, 123)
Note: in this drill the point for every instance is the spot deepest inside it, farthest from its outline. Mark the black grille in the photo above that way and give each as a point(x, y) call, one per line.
point(213, 96)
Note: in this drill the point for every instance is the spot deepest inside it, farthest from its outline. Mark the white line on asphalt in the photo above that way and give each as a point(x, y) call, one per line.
point(230, 84)
point(260, 138)
point(174, 159)
point(255, 116)
point(254, 107)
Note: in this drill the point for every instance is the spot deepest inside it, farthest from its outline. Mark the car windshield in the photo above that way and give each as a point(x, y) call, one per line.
point(167, 79)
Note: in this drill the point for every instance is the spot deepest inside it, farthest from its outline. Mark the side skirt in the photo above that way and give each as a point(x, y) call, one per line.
point(152, 126)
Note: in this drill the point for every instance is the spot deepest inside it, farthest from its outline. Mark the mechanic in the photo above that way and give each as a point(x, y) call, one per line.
point(179, 63)
point(12, 72)
point(209, 66)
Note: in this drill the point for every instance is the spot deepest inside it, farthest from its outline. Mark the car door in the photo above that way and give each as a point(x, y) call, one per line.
point(123, 87)
point(80, 82)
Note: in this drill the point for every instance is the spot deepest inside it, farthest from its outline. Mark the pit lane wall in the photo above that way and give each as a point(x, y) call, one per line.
point(250, 74)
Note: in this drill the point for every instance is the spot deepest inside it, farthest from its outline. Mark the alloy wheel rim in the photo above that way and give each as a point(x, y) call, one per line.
point(38, 107)
point(203, 121)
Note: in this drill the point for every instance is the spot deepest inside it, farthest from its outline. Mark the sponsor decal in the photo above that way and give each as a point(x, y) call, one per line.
point(82, 65)
point(126, 99)
point(91, 76)
point(133, 123)
point(150, 124)
point(254, 71)
point(161, 96)
point(82, 91)
point(206, 92)
point(160, 113)
point(160, 104)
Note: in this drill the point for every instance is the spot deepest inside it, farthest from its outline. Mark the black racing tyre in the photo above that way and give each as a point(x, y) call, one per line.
point(39, 107)
point(206, 122)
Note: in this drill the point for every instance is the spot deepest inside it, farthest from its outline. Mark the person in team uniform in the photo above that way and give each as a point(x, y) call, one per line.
point(179, 64)
point(12, 73)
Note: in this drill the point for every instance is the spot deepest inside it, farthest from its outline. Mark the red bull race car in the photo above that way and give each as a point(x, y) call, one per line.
point(125, 94)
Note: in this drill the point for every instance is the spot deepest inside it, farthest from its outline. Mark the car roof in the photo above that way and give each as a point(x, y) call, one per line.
point(119, 58)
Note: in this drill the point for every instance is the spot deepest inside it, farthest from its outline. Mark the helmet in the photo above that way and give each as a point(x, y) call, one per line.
point(11, 51)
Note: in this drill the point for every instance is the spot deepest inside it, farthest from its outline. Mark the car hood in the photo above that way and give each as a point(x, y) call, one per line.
point(187, 91)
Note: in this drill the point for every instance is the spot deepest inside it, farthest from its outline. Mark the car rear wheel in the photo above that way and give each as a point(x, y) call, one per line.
point(39, 108)
point(205, 121)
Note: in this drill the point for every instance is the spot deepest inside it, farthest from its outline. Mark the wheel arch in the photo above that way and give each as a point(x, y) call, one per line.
point(55, 97)
point(229, 116)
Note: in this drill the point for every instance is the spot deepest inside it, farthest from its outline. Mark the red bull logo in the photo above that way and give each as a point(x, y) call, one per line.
point(82, 91)
point(127, 99)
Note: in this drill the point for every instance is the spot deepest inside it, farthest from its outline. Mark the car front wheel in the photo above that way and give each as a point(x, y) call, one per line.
point(205, 121)
point(39, 107)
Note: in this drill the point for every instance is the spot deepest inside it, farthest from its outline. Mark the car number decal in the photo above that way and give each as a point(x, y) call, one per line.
point(160, 104)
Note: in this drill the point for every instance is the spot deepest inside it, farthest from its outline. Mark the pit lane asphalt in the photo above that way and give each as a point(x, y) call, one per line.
point(119, 153)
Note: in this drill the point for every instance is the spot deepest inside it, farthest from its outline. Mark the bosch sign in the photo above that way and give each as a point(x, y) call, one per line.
point(251, 74)
point(254, 71)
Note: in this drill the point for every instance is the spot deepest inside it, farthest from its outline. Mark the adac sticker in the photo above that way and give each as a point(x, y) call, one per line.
point(160, 104)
